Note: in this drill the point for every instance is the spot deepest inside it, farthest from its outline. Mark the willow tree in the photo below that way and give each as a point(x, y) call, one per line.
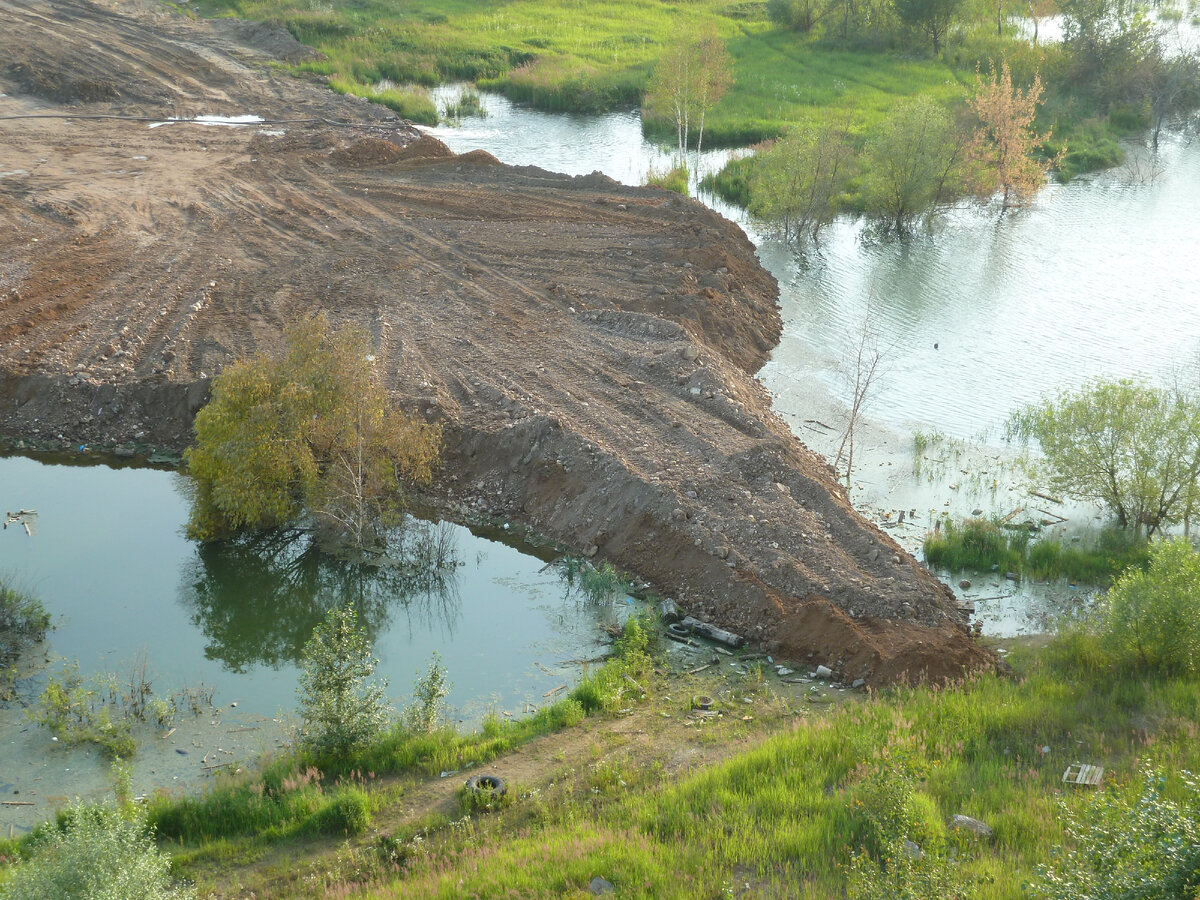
point(1132, 446)
point(691, 77)
point(305, 432)
point(1005, 140)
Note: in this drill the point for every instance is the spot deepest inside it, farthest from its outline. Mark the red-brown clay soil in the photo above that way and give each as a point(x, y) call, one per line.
point(590, 347)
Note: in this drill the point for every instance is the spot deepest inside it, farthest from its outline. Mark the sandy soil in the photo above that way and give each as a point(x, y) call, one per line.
point(590, 347)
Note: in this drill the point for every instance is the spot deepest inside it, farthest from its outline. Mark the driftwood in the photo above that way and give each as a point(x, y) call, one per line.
point(1044, 496)
point(552, 691)
point(1012, 515)
point(16, 803)
point(635, 684)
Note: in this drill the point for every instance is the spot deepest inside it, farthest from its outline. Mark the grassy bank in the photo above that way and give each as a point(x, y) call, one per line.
point(549, 55)
point(788, 818)
point(802, 798)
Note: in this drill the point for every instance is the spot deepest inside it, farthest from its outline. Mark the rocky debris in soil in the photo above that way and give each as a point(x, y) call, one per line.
point(590, 348)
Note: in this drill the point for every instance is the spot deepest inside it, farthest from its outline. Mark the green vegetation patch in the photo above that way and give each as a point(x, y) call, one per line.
point(984, 545)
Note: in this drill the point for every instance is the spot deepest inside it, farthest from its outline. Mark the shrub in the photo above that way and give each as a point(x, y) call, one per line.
point(1152, 617)
point(348, 813)
point(427, 711)
point(673, 179)
point(339, 709)
point(1146, 848)
point(94, 854)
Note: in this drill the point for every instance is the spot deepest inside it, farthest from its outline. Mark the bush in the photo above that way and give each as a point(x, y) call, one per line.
point(340, 710)
point(427, 711)
point(94, 854)
point(348, 813)
point(1146, 848)
point(1152, 618)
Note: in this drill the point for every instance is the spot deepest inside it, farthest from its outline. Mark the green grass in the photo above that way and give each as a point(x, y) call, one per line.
point(409, 101)
point(787, 816)
point(983, 545)
point(674, 179)
point(551, 55)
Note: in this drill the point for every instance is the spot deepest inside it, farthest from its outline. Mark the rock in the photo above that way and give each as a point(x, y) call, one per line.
point(895, 559)
point(858, 683)
point(977, 512)
point(964, 584)
point(723, 553)
point(591, 551)
point(966, 823)
point(1012, 576)
point(690, 352)
point(824, 672)
point(912, 850)
point(601, 886)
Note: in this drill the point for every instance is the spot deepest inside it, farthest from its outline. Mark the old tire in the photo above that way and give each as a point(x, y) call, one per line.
point(490, 785)
point(678, 630)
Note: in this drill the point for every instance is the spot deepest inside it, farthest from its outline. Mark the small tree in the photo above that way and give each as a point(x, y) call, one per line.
point(931, 17)
point(909, 162)
point(1004, 141)
point(307, 431)
point(95, 854)
point(340, 708)
point(1133, 447)
point(1152, 617)
point(690, 79)
point(427, 711)
point(798, 182)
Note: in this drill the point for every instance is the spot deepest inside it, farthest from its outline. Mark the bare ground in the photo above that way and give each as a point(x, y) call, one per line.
point(590, 347)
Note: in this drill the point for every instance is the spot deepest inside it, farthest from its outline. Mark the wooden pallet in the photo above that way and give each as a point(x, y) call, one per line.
point(1078, 773)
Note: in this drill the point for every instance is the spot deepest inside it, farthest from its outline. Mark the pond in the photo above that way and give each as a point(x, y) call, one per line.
point(109, 559)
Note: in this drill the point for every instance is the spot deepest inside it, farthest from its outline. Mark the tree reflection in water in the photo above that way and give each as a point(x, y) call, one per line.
point(258, 598)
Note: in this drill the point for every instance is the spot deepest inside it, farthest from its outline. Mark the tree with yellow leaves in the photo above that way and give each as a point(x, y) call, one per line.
point(306, 432)
point(1003, 144)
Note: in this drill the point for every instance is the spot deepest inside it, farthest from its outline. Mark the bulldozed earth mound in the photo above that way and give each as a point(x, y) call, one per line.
point(590, 347)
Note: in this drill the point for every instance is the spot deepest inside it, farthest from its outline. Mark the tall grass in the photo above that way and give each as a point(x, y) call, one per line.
point(984, 545)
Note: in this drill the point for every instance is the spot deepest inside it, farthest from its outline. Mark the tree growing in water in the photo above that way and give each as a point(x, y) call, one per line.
point(798, 182)
point(1003, 145)
point(1134, 447)
point(307, 431)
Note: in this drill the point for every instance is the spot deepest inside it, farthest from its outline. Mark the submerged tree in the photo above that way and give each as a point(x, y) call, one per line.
point(911, 160)
point(307, 431)
point(691, 77)
point(1005, 140)
point(798, 182)
point(1133, 447)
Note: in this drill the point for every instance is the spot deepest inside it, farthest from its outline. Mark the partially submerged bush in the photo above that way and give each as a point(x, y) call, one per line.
point(94, 854)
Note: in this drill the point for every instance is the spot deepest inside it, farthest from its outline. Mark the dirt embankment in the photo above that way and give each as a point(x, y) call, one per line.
point(590, 347)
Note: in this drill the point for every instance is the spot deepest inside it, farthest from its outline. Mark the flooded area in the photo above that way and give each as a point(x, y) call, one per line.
point(124, 586)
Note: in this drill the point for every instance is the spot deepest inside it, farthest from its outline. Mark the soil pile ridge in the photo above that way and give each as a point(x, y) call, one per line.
point(590, 347)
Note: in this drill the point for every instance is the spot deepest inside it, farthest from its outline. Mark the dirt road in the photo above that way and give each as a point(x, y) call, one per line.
point(589, 346)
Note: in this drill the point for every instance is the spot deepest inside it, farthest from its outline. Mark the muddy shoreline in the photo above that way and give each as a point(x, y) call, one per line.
point(590, 348)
